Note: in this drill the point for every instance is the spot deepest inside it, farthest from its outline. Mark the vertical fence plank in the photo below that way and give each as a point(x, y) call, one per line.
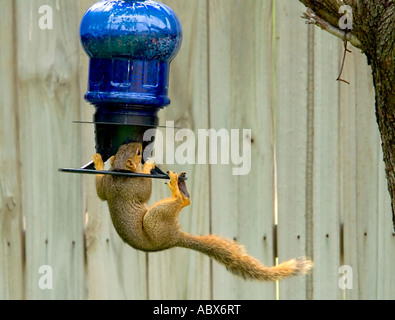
point(48, 102)
point(325, 225)
point(291, 88)
point(114, 270)
point(348, 164)
point(11, 231)
point(241, 71)
point(182, 273)
point(367, 218)
point(386, 237)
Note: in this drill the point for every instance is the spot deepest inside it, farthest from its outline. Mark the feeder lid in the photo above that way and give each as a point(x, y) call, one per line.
point(132, 30)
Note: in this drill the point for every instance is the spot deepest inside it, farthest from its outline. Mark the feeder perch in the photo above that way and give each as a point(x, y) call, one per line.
point(131, 45)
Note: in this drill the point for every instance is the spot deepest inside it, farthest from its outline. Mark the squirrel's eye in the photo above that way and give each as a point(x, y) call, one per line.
point(138, 152)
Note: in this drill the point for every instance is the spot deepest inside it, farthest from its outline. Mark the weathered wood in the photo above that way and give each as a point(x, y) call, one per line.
point(182, 273)
point(11, 231)
point(367, 241)
point(325, 224)
point(348, 163)
point(48, 101)
point(241, 97)
point(291, 141)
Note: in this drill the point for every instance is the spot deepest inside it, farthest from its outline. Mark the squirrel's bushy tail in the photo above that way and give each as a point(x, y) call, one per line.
point(234, 257)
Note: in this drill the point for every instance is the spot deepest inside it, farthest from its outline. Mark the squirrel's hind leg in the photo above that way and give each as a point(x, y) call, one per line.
point(161, 220)
point(160, 223)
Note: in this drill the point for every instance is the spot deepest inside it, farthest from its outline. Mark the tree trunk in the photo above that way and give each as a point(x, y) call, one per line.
point(383, 77)
point(373, 31)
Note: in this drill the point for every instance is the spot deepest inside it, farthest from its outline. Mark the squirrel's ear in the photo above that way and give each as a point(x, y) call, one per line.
point(129, 164)
point(112, 159)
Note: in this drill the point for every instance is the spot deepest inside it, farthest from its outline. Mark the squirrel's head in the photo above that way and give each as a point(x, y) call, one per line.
point(129, 157)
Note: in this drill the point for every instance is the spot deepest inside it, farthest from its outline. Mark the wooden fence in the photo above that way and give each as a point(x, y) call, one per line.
point(317, 184)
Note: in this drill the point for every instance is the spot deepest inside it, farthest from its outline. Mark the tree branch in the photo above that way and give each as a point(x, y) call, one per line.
point(313, 18)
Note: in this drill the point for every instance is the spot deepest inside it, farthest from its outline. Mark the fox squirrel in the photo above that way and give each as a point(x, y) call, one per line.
point(157, 228)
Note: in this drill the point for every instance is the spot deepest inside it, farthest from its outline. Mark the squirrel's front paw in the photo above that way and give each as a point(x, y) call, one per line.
point(148, 166)
point(98, 161)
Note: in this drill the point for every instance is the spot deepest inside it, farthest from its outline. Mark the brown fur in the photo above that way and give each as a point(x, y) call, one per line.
point(156, 228)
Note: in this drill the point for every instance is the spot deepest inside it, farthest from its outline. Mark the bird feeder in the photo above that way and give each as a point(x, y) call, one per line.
point(130, 45)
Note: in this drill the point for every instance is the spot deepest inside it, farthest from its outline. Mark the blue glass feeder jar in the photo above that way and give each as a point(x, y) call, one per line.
point(131, 45)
